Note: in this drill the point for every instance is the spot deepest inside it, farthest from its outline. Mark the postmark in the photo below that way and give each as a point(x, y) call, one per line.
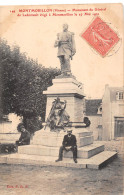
point(100, 36)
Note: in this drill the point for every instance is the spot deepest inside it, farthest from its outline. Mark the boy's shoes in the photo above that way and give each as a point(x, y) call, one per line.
point(75, 160)
point(59, 159)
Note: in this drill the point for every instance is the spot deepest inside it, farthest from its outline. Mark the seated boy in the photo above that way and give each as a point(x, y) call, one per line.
point(25, 136)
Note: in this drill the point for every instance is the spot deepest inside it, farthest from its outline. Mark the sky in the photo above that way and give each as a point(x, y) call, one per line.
point(36, 35)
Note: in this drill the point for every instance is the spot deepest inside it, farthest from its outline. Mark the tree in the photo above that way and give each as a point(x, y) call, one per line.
point(22, 82)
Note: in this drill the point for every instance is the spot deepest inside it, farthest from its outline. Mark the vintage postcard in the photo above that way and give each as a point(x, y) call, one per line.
point(61, 99)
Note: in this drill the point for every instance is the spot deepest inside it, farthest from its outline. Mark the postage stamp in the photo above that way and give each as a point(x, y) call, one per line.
point(100, 36)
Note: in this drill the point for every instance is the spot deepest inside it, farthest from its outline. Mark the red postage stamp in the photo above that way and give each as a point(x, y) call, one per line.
point(100, 36)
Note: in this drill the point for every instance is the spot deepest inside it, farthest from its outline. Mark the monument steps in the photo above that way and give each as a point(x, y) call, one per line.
point(83, 152)
point(90, 150)
point(102, 159)
point(82, 132)
point(96, 162)
point(57, 141)
point(84, 141)
point(44, 150)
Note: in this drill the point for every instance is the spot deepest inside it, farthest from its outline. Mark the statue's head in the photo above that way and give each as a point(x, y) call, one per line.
point(65, 27)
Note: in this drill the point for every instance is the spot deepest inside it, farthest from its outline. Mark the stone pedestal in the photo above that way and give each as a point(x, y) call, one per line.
point(54, 139)
point(47, 143)
point(68, 89)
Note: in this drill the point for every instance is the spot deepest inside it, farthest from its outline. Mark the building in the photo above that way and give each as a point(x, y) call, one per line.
point(8, 128)
point(113, 112)
point(93, 110)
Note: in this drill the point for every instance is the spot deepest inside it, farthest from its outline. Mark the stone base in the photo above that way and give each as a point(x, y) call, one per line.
point(54, 139)
point(65, 76)
point(45, 149)
point(83, 152)
point(46, 143)
point(96, 162)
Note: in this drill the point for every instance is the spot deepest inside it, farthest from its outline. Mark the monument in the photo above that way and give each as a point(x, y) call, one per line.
point(64, 110)
point(65, 102)
point(65, 86)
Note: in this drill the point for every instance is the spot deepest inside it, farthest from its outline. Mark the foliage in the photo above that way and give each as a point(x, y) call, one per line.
point(22, 82)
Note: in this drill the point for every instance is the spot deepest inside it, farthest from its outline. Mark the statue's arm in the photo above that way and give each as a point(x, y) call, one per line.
point(73, 45)
point(56, 44)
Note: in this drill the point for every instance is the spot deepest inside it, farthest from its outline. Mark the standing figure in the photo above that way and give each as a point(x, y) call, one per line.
point(69, 144)
point(66, 49)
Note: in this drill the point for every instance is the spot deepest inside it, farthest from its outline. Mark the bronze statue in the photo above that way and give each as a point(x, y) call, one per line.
point(66, 49)
point(58, 117)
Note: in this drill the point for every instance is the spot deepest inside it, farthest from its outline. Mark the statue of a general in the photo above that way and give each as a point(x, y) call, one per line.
point(66, 49)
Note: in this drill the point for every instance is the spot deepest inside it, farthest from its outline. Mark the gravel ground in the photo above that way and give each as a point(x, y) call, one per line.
point(31, 180)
